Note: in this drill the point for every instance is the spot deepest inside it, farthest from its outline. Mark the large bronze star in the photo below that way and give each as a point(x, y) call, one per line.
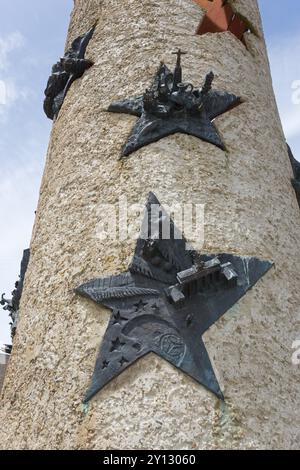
point(171, 106)
point(166, 301)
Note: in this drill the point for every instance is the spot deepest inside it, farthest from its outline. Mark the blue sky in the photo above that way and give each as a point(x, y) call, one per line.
point(32, 38)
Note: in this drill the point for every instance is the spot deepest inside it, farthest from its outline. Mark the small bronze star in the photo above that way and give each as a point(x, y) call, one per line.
point(118, 319)
point(139, 306)
point(123, 361)
point(171, 106)
point(174, 307)
point(116, 345)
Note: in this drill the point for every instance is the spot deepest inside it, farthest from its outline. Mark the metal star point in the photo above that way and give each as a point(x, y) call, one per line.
point(64, 73)
point(178, 305)
point(171, 106)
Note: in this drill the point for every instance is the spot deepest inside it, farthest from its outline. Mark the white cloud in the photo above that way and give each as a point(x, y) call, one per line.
point(9, 92)
point(7, 45)
point(291, 121)
point(21, 168)
point(20, 181)
point(284, 56)
point(2, 92)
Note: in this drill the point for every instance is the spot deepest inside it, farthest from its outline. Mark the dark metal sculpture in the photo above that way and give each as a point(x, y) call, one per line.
point(296, 170)
point(171, 106)
point(6, 349)
point(166, 301)
point(71, 67)
point(13, 305)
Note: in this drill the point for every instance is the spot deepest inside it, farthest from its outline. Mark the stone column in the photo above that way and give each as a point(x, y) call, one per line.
point(250, 209)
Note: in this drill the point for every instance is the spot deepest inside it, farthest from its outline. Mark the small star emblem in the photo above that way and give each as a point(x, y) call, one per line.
point(118, 319)
point(123, 361)
point(140, 305)
point(116, 345)
point(154, 306)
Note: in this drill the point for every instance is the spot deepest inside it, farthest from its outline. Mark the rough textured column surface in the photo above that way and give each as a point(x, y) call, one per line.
point(251, 209)
point(3, 365)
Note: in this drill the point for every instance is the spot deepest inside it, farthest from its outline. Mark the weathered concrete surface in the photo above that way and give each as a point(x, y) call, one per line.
point(251, 209)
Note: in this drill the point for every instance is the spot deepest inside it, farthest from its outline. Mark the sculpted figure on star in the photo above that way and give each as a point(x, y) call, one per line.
point(171, 106)
point(166, 301)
